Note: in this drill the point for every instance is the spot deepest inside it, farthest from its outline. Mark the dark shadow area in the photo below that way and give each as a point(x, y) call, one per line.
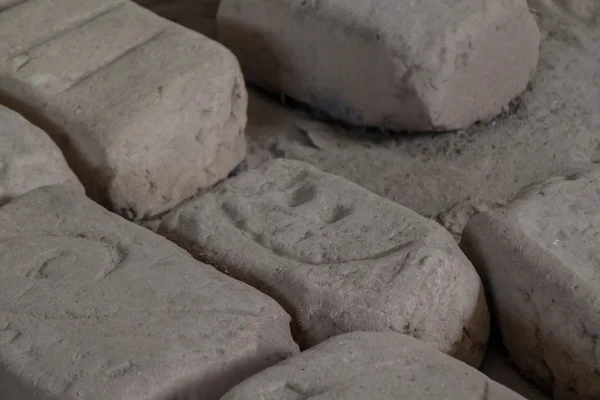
point(197, 15)
point(213, 385)
point(498, 366)
point(8, 4)
point(90, 176)
point(372, 134)
point(13, 388)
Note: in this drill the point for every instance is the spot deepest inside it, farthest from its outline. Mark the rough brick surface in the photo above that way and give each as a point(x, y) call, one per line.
point(147, 112)
point(95, 307)
point(338, 257)
point(29, 158)
point(401, 64)
point(382, 366)
point(539, 258)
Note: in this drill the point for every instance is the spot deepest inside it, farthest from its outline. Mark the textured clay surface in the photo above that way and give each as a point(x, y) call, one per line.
point(94, 307)
point(147, 112)
point(338, 257)
point(539, 258)
point(29, 158)
point(361, 365)
point(400, 64)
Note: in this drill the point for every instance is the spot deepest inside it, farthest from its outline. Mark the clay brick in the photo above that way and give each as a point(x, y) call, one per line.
point(146, 112)
point(29, 158)
point(400, 64)
point(338, 257)
point(95, 307)
point(382, 366)
point(539, 259)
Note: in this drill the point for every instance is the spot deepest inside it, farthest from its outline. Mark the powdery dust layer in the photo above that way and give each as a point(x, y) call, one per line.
point(553, 131)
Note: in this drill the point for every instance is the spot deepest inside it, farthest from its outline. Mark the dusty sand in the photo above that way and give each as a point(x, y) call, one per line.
point(554, 130)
